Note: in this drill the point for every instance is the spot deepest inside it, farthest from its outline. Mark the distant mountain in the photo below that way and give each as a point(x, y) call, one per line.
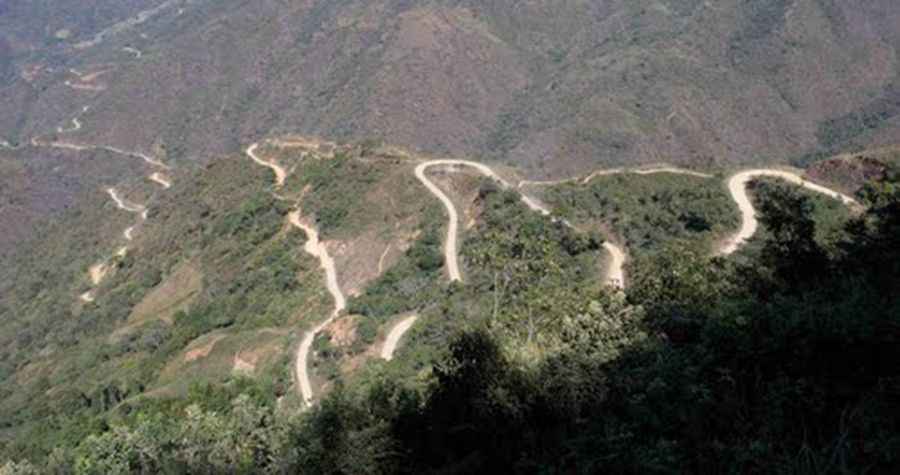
point(557, 86)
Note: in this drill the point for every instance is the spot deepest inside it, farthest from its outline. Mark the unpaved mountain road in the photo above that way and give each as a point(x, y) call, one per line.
point(615, 275)
point(160, 179)
point(615, 171)
point(36, 142)
point(76, 126)
point(280, 173)
point(121, 203)
point(98, 272)
point(737, 186)
point(393, 338)
point(319, 250)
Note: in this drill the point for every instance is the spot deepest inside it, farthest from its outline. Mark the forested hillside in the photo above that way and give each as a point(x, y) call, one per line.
point(449, 236)
point(783, 361)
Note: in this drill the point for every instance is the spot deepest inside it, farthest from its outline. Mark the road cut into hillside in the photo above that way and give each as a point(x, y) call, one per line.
point(614, 275)
point(737, 187)
point(316, 248)
point(394, 336)
point(280, 173)
point(615, 171)
point(161, 180)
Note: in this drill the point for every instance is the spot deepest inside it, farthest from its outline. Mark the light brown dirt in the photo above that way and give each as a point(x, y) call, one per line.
point(204, 350)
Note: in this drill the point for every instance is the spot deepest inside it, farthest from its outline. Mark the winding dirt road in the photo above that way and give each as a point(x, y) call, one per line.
point(317, 249)
point(36, 142)
point(280, 173)
point(393, 338)
point(121, 203)
point(160, 179)
point(98, 272)
point(133, 51)
point(615, 274)
point(737, 186)
point(615, 171)
point(76, 126)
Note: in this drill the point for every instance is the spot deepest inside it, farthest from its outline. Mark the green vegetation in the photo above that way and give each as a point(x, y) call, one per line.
point(647, 211)
point(778, 363)
point(66, 366)
point(830, 215)
point(730, 388)
point(412, 282)
point(334, 189)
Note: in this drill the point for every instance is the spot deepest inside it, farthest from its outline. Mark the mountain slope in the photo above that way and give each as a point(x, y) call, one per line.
point(558, 86)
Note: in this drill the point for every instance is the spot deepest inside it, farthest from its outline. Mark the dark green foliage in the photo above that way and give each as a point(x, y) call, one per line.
point(334, 185)
point(649, 211)
point(800, 379)
point(782, 364)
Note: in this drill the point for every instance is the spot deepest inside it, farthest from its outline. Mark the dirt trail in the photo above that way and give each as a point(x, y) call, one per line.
point(125, 25)
point(737, 186)
point(85, 87)
point(615, 274)
point(280, 173)
point(98, 272)
point(616, 171)
point(147, 158)
point(393, 338)
point(161, 179)
point(133, 51)
point(317, 249)
point(383, 257)
point(121, 203)
point(76, 126)
point(36, 142)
